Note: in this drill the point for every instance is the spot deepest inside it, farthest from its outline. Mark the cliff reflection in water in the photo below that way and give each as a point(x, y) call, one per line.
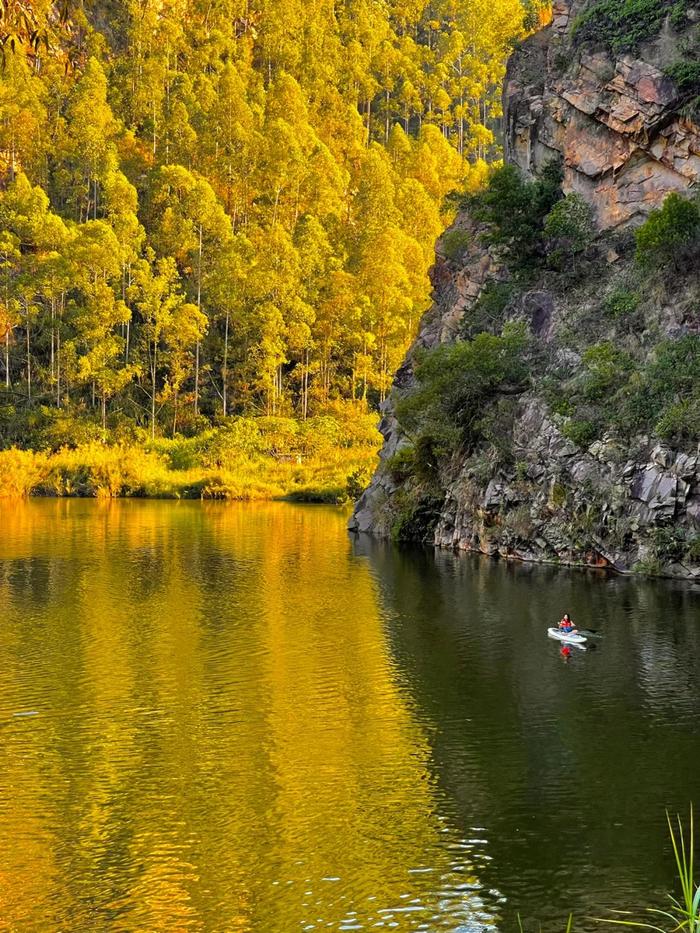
point(569, 765)
point(203, 727)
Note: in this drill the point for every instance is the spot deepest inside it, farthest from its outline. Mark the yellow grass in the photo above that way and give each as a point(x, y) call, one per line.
point(193, 468)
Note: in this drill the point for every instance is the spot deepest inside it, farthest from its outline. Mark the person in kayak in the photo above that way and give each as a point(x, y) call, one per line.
point(566, 625)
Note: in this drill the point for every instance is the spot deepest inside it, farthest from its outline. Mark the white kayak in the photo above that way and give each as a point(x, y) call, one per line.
point(572, 638)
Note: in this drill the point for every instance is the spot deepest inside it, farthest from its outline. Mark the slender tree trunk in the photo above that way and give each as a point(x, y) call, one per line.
point(29, 362)
point(386, 117)
point(305, 383)
point(199, 308)
point(224, 371)
point(104, 413)
point(153, 398)
point(53, 338)
point(58, 368)
point(7, 358)
point(154, 126)
point(278, 191)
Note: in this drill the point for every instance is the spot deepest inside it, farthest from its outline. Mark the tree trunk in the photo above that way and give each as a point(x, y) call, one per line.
point(224, 371)
point(29, 362)
point(53, 338)
point(386, 116)
point(306, 384)
point(199, 308)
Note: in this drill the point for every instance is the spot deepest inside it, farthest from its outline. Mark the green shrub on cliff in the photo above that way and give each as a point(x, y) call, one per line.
point(664, 396)
point(606, 368)
point(680, 422)
point(455, 243)
point(622, 302)
point(623, 25)
point(455, 384)
point(489, 309)
point(569, 229)
point(671, 234)
point(581, 433)
point(515, 210)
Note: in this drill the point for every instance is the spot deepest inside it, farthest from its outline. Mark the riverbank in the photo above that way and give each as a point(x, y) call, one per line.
point(324, 459)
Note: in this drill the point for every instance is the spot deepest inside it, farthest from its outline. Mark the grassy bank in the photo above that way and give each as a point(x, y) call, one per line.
point(325, 459)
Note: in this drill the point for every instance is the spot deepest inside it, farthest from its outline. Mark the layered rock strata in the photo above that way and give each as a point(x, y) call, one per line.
point(615, 123)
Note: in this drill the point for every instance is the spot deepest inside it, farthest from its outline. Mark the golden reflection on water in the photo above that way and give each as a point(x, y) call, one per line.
point(201, 728)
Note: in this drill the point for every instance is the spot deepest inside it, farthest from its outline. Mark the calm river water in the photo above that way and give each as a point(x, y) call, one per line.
point(237, 718)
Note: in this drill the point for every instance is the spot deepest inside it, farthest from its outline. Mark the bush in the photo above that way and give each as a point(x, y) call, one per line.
point(20, 471)
point(623, 25)
point(455, 243)
point(569, 228)
point(606, 368)
point(489, 308)
point(670, 234)
point(402, 464)
point(562, 406)
point(666, 393)
point(357, 482)
point(680, 422)
point(622, 302)
point(670, 544)
point(581, 433)
point(516, 209)
point(456, 381)
point(685, 72)
point(232, 462)
point(686, 75)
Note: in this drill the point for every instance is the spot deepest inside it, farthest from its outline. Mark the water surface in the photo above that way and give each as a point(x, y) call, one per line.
point(236, 718)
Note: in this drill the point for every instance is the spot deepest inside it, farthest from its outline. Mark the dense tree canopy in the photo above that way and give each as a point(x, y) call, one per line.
point(214, 208)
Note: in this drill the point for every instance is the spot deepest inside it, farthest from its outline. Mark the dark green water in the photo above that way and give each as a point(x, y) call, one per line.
point(227, 717)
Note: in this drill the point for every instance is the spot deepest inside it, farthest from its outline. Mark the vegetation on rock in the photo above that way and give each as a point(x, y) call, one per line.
point(515, 211)
point(623, 25)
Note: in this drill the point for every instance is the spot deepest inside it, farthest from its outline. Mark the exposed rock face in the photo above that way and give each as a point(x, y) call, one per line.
point(614, 122)
point(615, 125)
point(618, 498)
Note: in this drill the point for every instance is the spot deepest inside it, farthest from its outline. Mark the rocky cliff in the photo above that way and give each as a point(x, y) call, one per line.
point(615, 122)
point(542, 488)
